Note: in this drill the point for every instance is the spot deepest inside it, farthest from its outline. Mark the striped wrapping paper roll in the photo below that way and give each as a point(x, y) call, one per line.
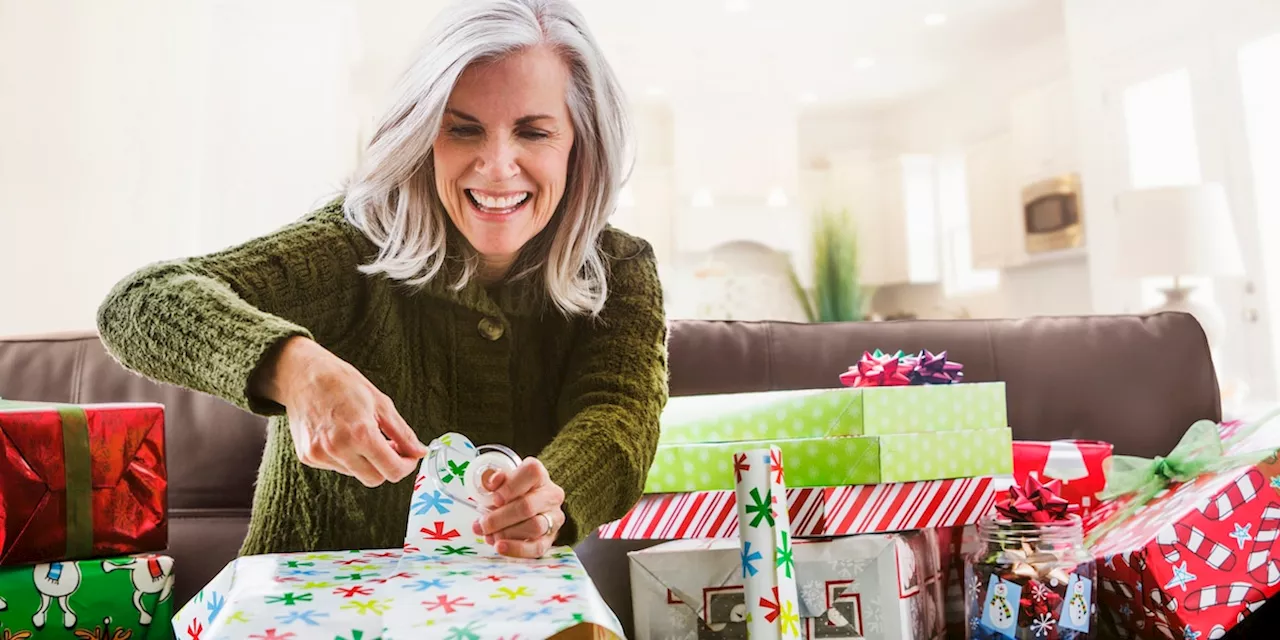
point(768, 567)
point(817, 511)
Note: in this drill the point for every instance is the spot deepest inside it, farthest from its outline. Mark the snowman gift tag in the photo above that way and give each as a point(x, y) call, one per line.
point(1000, 611)
point(1077, 607)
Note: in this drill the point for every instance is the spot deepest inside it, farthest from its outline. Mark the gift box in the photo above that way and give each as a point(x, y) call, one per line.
point(113, 599)
point(1079, 464)
point(1189, 550)
point(444, 582)
point(815, 511)
point(954, 544)
point(874, 586)
point(865, 411)
point(838, 461)
point(81, 481)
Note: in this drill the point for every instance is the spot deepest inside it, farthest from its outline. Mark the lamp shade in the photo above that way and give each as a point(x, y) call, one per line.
point(1177, 231)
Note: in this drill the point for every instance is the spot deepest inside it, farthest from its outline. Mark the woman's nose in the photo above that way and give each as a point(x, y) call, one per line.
point(497, 161)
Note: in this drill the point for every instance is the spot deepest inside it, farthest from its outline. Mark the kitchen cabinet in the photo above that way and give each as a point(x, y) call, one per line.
point(996, 229)
point(897, 239)
point(1042, 124)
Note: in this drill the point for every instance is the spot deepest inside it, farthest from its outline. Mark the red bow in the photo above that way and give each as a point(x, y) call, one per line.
point(1035, 502)
point(879, 370)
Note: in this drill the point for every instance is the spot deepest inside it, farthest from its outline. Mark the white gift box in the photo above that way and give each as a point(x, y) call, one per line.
point(444, 583)
point(872, 587)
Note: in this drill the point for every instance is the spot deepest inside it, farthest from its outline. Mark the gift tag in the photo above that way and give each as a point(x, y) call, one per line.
point(1000, 611)
point(1077, 605)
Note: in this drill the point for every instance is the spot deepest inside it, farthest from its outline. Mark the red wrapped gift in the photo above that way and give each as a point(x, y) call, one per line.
point(81, 481)
point(1188, 550)
point(1079, 464)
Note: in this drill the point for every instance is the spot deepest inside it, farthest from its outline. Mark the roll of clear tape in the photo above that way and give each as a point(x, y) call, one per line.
point(489, 458)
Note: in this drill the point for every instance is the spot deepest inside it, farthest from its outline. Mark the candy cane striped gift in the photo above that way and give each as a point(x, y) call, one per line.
point(1236, 495)
point(815, 511)
point(1173, 536)
point(1232, 595)
point(1261, 565)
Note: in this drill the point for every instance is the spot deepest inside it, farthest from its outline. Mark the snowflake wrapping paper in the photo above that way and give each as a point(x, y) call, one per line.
point(866, 587)
point(444, 583)
point(821, 413)
point(1197, 559)
point(816, 511)
point(768, 567)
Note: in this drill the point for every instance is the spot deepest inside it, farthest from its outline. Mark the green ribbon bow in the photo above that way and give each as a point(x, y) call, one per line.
point(78, 470)
point(1201, 450)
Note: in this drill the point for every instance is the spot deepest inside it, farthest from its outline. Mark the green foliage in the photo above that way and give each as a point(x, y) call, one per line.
point(836, 296)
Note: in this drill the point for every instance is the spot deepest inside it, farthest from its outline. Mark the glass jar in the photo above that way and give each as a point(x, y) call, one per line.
point(1030, 580)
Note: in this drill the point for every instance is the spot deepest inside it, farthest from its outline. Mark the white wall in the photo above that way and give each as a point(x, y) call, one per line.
point(967, 111)
point(1115, 43)
point(140, 130)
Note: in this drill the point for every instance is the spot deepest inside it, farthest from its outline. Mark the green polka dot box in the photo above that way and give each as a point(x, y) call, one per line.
point(837, 437)
point(871, 411)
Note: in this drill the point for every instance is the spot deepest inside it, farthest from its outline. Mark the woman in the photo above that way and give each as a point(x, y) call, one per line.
point(465, 281)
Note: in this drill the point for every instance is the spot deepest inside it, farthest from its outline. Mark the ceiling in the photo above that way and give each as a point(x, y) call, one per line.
point(810, 51)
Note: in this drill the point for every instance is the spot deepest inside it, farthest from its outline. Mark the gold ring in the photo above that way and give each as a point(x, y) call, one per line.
point(549, 524)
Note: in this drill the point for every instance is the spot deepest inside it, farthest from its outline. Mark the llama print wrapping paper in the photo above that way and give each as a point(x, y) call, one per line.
point(127, 598)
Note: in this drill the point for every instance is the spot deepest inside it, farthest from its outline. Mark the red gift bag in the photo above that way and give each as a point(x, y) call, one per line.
point(81, 481)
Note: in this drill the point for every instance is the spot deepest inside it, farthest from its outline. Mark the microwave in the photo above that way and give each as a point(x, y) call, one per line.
point(1051, 214)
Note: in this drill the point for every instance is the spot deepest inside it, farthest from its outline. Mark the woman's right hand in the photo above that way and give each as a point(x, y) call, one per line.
point(339, 420)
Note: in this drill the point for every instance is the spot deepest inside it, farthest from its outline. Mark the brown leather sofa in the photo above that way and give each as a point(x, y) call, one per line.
point(1137, 382)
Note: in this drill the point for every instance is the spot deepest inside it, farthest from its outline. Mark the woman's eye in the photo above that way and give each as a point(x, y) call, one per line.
point(533, 135)
point(463, 132)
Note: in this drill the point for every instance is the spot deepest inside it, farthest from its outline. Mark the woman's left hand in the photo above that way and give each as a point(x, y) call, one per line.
point(526, 514)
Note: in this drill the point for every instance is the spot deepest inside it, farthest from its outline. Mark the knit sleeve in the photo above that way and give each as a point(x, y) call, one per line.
point(611, 400)
point(206, 323)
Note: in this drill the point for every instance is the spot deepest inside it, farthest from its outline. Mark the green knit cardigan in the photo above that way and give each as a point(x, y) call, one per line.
point(496, 364)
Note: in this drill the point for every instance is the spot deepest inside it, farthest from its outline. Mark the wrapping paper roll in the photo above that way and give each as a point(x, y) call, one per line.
point(768, 566)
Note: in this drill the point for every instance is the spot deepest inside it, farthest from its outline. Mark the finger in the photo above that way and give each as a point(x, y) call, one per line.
point(531, 549)
point(544, 500)
point(528, 475)
point(532, 529)
point(313, 454)
point(375, 449)
point(357, 465)
point(325, 462)
point(492, 479)
point(402, 436)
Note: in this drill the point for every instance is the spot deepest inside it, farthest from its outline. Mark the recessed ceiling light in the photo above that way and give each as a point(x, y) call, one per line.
point(865, 63)
point(935, 19)
point(737, 6)
point(702, 198)
point(808, 98)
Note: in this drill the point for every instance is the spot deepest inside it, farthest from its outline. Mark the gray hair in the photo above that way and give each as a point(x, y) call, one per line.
point(393, 199)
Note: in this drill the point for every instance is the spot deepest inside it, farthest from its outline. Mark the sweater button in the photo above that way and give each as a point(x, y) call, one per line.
point(491, 329)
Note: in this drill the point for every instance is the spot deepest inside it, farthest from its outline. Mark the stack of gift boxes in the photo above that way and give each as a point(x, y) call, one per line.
point(880, 476)
point(878, 526)
point(83, 512)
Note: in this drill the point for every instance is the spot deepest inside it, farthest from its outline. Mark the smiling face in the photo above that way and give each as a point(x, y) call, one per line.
point(502, 154)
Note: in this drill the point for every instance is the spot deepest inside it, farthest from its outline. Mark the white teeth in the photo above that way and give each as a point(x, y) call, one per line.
point(505, 202)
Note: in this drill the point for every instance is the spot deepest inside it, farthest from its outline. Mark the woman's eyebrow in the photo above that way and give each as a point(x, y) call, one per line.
point(534, 118)
point(462, 116)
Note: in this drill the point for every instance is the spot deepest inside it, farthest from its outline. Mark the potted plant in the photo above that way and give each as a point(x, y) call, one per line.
point(836, 295)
